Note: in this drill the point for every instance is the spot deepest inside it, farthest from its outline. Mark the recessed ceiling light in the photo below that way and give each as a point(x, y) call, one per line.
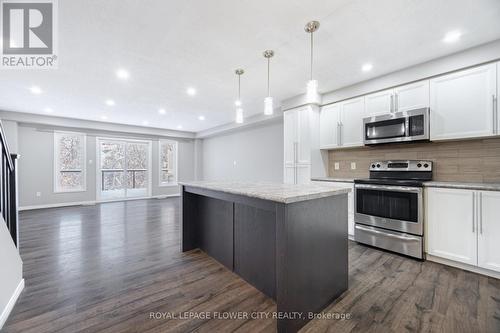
point(122, 74)
point(201, 117)
point(179, 126)
point(191, 91)
point(162, 111)
point(104, 117)
point(36, 90)
point(48, 110)
point(367, 67)
point(145, 123)
point(110, 102)
point(452, 36)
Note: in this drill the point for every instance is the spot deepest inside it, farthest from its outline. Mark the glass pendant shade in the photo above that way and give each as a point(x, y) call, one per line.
point(239, 116)
point(312, 92)
point(268, 106)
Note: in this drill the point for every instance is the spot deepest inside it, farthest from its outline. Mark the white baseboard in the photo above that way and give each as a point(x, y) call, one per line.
point(8, 308)
point(64, 204)
point(85, 203)
point(166, 196)
point(466, 267)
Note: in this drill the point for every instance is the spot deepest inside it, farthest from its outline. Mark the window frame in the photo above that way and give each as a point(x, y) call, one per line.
point(176, 163)
point(56, 166)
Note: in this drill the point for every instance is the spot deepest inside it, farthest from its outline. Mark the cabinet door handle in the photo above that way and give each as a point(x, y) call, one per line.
point(340, 133)
point(481, 213)
point(392, 103)
point(396, 102)
point(473, 210)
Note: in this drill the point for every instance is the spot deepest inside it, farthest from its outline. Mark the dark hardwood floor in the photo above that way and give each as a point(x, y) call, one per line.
point(106, 268)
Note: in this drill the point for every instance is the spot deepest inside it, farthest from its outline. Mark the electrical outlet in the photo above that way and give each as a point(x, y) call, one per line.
point(337, 166)
point(38, 194)
point(353, 165)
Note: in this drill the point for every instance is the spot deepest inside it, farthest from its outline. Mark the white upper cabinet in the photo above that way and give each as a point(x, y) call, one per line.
point(329, 126)
point(462, 103)
point(351, 122)
point(497, 123)
point(381, 102)
point(412, 96)
point(451, 224)
point(489, 230)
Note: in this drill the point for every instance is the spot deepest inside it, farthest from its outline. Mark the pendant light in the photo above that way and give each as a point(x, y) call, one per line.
point(312, 85)
point(268, 101)
point(239, 109)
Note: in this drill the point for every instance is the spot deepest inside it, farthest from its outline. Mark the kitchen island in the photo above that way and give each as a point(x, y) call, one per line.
point(288, 241)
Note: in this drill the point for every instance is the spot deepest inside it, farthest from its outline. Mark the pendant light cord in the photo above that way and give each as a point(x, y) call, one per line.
point(312, 54)
point(239, 87)
point(268, 85)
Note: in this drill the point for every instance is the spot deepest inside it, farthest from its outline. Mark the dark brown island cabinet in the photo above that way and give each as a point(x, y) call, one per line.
point(289, 241)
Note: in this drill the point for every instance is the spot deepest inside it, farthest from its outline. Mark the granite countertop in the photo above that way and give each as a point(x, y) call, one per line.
point(332, 179)
point(465, 185)
point(283, 193)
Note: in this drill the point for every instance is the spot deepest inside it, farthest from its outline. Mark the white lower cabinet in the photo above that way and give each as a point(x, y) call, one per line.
point(488, 249)
point(464, 226)
point(450, 225)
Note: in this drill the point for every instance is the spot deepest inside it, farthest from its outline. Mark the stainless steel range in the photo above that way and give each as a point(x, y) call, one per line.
point(389, 206)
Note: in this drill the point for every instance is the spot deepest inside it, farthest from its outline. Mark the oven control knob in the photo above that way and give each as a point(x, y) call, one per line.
point(426, 165)
point(373, 166)
point(419, 165)
point(378, 165)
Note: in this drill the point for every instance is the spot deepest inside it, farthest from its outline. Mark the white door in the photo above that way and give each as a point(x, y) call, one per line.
point(351, 129)
point(412, 96)
point(303, 135)
point(462, 103)
point(451, 225)
point(123, 169)
point(290, 136)
point(329, 125)
point(489, 230)
point(380, 102)
point(303, 173)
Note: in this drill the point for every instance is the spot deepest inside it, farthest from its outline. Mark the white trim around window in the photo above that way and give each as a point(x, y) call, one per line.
point(174, 163)
point(56, 165)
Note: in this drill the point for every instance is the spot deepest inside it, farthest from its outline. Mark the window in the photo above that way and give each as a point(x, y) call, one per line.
point(168, 162)
point(69, 162)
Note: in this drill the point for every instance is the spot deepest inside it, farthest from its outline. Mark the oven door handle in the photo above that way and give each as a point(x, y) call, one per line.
point(406, 238)
point(390, 188)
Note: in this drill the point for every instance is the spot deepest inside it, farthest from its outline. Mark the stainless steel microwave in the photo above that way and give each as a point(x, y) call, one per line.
point(412, 125)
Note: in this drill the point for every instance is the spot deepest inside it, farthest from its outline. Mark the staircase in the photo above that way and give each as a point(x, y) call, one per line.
point(8, 187)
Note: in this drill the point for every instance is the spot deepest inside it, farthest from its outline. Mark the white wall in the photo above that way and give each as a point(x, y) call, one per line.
point(11, 272)
point(250, 154)
point(36, 174)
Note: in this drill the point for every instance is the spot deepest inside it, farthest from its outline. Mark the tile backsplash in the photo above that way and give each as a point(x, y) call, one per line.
point(467, 161)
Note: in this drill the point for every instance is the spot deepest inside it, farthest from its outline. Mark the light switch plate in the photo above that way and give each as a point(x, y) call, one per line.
point(337, 165)
point(353, 165)
point(38, 194)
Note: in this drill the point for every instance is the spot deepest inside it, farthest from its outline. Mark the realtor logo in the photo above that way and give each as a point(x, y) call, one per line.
point(28, 34)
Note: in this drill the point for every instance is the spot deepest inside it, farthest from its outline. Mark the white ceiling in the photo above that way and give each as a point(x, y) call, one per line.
point(168, 46)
